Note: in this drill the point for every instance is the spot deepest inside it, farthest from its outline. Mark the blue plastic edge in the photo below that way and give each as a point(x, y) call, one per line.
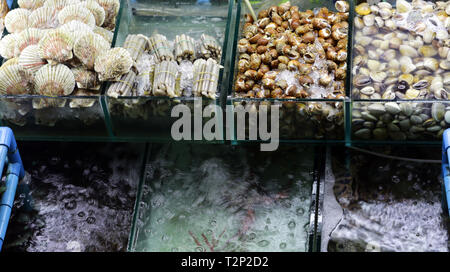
point(446, 171)
point(9, 154)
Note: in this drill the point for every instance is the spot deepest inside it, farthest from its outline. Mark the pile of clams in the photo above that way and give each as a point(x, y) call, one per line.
point(401, 53)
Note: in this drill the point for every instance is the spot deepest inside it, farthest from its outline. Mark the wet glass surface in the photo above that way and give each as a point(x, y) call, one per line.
point(389, 205)
point(215, 198)
point(82, 195)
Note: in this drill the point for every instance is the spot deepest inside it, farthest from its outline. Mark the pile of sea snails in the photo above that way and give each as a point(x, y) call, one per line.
point(287, 53)
point(184, 67)
point(401, 53)
point(57, 48)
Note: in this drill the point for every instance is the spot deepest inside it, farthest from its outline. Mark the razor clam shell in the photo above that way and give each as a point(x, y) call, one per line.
point(123, 87)
point(136, 45)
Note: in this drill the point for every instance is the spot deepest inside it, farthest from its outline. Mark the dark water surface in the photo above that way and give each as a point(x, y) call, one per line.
point(83, 196)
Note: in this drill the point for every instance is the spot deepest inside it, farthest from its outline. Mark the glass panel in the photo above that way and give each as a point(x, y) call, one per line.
point(400, 121)
point(400, 52)
point(53, 117)
point(326, 123)
point(148, 117)
point(203, 199)
point(298, 120)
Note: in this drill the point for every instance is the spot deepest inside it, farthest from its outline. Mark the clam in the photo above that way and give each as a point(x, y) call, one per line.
point(369, 20)
point(428, 51)
point(430, 64)
point(392, 107)
point(342, 6)
point(438, 111)
point(378, 76)
point(412, 94)
point(407, 50)
point(361, 80)
point(445, 65)
point(363, 9)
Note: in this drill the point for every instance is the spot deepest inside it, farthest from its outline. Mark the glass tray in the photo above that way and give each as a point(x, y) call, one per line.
point(149, 117)
point(257, 207)
point(301, 120)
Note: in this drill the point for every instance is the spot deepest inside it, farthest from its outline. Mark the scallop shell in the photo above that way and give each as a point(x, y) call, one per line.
point(27, 37)
point(30, 60)
point(106, 34)
point(96, 10)
point(111, 8)
point(15, 80)
point(8, 45)
point(54, 80)
point(30, 4)
point(10, 62)
point(44, 18)
point(113, 63)
point(86, 79)
point(60, 4)
point(17, 20)
point(77, 13)
point(76, 29)
point(88, 47)
point(56, 45)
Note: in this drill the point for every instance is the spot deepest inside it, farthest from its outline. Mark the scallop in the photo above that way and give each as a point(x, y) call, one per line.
point(111, 8)
point(76, 13)
point(14, 80)
point(76, 29)
point(8, 46)
point(86, 79)
point(30, 60)
point(56, 46)
point(26, 38)
point(17, 20)
point(54, 80)
point(30, 4)
point(106, 34)
point(60, 4)
point(10, 62)
point(83, 103)
point(113, 63)
point(96, 10)
point(44, 18)
point(88, 47)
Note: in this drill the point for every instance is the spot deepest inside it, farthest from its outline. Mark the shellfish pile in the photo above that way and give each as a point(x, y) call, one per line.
point(401, 53)
point(52, 48)
point(174, 69)
point(287, 53)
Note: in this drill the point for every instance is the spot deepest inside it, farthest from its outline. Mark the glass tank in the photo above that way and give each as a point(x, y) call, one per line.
point(400, 71)
point(72, 107)
point(197, 199)
point(140, 113)
point(299, 75)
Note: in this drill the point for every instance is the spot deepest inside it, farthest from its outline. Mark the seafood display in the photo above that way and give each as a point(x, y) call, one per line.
point(180, 68)
point(401, 53)
point(54, 48)
point(288, 53)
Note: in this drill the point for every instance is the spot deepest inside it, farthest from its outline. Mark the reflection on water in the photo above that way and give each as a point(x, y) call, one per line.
point(225, 199)
point(83, 197)
point(390, 205)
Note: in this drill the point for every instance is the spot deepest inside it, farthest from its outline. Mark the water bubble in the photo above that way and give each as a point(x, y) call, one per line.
point(90, 220)
point(199, 249)
point(282, 245)
point(174, 249)
point(71, 205)
point(266, 228)
point(263, 243)
point(252, 236)
point(209, 232)
point(213, 223)
point(81, 214)
point(291, 224)
point(303, 198)
point(300, 211)
point(159, 221)
point(165, 238)
point(395, 179)
point(268, 220)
